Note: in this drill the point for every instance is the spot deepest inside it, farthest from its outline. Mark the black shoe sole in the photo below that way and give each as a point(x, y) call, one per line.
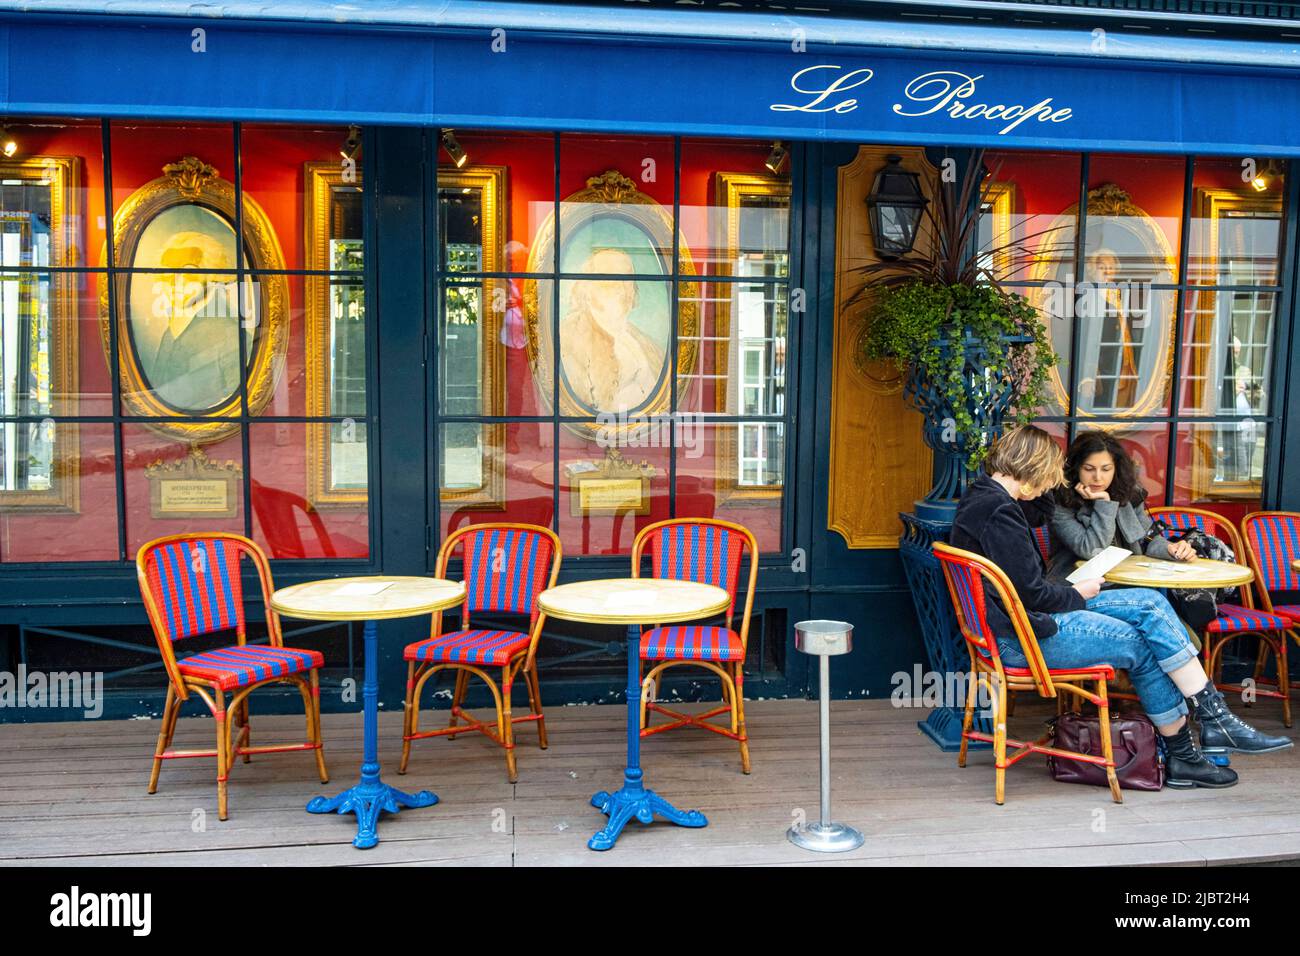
point(1193, 784)
point(1238, 750)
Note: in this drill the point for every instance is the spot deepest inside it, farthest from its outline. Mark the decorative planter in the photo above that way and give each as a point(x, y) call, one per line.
point(985, 400)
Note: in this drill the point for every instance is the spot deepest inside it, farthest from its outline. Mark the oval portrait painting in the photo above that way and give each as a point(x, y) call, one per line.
point(615, 306)
point(178, 324)
point(614, 330)
point(184, 323)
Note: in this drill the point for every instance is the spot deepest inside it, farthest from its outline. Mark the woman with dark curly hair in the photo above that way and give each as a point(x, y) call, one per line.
point(1102, 505)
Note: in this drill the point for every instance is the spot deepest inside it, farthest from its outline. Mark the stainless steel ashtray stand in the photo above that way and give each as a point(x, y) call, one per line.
point(825, 639)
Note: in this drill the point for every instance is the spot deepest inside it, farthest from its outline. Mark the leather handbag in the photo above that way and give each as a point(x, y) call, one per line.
point(1135, 745)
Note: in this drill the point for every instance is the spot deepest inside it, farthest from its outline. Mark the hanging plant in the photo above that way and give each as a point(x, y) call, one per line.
point(929, 330)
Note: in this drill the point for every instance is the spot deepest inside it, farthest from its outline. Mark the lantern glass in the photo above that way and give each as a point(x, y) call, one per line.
point(895, 207)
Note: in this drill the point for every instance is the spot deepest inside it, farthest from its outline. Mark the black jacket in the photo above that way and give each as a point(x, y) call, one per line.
point(992, 523)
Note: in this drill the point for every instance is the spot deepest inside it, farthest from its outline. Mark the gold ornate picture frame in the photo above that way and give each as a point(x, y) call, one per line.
point(731, 190)
point(62, 176)
point(612, 203)
point(191, 191)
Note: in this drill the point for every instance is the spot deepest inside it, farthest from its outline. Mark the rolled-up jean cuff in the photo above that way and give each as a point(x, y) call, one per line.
point(1168, 716)
point(1174, 661)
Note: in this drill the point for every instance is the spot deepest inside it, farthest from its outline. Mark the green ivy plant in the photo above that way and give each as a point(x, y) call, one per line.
point(922, 324)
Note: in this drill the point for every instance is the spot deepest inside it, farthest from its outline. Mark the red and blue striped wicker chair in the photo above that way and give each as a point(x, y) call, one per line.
point(1234, 620)
point(1272, 542)
point(968, 575)
point(709, 551)
point(505, 567)
point(191, 586)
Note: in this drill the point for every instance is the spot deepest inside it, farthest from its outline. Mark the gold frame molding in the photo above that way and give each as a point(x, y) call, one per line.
point(617, 191)
point(1109, 201)
point(321, 179)
point(190, 181)
point(1002, 196)
point(492, 181)
point(63, 175)
point(730, 190)
point(1209, 204)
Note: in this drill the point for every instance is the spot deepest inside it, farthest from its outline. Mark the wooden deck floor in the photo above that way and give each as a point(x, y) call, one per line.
point(75, 794)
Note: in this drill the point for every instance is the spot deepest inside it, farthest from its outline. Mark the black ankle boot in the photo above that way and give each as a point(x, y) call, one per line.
point(1222, 730)
point(1186, 766)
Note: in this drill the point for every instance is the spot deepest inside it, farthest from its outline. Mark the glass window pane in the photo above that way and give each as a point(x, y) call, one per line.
point(742, 349)
point(507, 181)
point(733, 471)
point(735, 212)
point(611, 485)
point(1030, 214)
point(483, 346)
point(171, 488)
point(1236, 224)
point(524, 479)
point(66, 472)
point(294, 175)
point(1221, 462)
point(291, 518)
point(1228, 352)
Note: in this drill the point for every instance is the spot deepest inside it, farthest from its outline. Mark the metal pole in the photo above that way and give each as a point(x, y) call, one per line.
point(826, 738)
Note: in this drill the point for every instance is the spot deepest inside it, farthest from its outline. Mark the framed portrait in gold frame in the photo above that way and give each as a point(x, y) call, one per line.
point(178, 326)
point(41, 460)
point(736, 193)
point(616, 332)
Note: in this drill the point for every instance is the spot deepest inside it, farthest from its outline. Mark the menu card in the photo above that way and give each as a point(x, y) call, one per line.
point(1098, 566)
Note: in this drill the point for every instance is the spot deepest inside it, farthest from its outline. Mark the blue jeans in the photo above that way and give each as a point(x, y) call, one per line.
point(1133, 629)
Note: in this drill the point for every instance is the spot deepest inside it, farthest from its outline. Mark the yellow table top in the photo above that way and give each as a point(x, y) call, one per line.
point(370, 598)
point(1141, 571)
point(633, 601)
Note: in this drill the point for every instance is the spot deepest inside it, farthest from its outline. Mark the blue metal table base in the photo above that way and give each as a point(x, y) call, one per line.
point(371, 796)
point(634, 800)
point(367, 800)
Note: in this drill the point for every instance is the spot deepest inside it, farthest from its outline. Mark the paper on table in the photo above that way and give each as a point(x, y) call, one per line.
point(363, 588)
point(1098, 566)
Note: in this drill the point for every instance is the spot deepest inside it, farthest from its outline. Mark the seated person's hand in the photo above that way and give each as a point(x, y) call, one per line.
point(1089, 588)
point(1181, 551)
point(1088, 495)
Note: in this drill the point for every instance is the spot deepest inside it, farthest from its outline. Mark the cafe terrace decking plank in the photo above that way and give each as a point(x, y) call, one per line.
point(912, 802)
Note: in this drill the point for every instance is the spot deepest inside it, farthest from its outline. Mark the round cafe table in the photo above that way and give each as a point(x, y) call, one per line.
point(632, 602)
point(1138, 570)
point(371, 599)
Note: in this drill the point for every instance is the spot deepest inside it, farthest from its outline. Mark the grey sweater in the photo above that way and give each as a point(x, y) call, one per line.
point(1097, 525)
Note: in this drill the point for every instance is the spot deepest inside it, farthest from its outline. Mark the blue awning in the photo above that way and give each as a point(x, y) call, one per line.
point(562, 67)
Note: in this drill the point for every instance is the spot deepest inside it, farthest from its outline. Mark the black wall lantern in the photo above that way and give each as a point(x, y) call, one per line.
point(895, 206)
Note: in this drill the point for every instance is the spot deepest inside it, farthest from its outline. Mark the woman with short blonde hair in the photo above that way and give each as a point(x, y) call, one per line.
point(1081, 626)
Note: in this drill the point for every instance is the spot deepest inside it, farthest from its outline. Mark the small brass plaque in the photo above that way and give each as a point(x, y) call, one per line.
point(194, 487)
point(205, 497)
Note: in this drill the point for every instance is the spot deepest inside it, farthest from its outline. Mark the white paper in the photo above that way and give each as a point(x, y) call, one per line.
point(1164, 567)
point(1098, 566)
point(363, 588)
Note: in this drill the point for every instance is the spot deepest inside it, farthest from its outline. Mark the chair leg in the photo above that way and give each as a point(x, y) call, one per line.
point(164, 736)
point(410, 718)
point(1000, 742)
point(969, 716)
point(738, 707)
point(1107, 745)
point(1284, 680)
point(507, 725)
point(222, 752)
point(457, 698)
point(313, 727)
point(245, 728)
point(535, 699)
